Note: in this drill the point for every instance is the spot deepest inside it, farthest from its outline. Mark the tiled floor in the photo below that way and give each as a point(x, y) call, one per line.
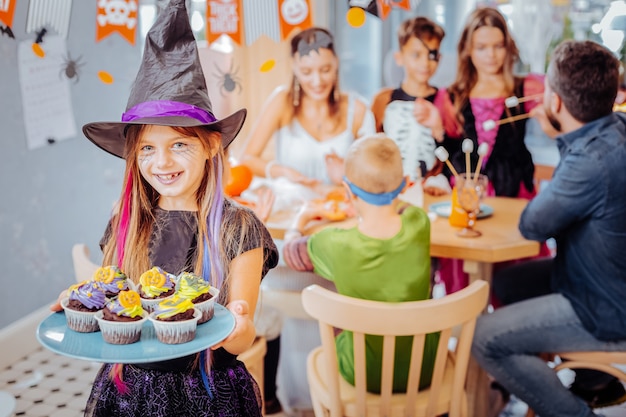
point(48, 385)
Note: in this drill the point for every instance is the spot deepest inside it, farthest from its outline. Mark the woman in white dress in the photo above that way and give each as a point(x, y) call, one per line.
point(313, 122)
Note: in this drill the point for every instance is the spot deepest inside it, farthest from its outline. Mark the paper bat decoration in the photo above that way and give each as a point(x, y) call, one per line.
point(5, 30)
point(40, 35)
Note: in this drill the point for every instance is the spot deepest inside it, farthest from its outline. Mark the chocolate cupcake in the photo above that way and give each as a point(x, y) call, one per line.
point(155, 285)
point(201, 294)
point(175, 320)
point(122, 318)
point(111, 279)
point(84, 300)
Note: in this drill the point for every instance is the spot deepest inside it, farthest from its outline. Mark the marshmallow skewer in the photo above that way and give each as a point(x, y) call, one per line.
point(468, 146)
point(513, 101)
point(491, 124)
point(483, 148)
point(442, 154)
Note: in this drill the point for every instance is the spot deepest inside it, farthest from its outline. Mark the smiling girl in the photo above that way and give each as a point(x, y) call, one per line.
point(172, 213)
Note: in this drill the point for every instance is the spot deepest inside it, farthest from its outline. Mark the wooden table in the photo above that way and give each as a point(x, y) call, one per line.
point(500, 241)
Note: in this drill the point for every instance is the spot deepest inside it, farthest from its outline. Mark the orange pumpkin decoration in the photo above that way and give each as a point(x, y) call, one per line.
point(238, 181)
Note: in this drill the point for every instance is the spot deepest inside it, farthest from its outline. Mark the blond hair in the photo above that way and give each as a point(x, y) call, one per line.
point(374, 164)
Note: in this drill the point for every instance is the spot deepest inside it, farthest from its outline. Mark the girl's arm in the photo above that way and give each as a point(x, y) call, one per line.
point(364, 122)
point(245, 279)
point(264, 128)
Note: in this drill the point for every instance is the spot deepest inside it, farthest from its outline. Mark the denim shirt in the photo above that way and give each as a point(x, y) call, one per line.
point(584, 209)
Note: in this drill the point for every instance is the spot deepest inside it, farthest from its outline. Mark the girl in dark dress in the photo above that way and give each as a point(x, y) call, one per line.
point(172, 213)
point(485, 79)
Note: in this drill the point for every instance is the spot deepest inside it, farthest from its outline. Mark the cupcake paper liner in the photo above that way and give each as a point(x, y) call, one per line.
point(175, 332)
point(149, 304)
point(120, 332)
point(207, 307)
point(80, 321)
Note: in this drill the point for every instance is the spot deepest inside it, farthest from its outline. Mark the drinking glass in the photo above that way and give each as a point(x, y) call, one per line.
point(470, 192)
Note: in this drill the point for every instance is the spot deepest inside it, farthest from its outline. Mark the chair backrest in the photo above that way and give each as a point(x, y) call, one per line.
point(84, 267)
point(416, 318)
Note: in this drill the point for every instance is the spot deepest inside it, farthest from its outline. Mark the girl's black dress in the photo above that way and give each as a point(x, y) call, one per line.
point(175, 387)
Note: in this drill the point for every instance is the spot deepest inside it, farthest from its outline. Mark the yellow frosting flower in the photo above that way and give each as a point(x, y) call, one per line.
point(104, 274)
point(127, 303)
point(129, 299)
point(172, 306)
point(155, 282)
point(192, 286)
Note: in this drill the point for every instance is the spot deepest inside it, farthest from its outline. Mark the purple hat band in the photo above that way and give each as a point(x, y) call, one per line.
point(167, 108)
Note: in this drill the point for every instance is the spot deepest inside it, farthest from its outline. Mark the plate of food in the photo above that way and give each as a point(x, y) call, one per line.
point(445, 208)
point(54, 334)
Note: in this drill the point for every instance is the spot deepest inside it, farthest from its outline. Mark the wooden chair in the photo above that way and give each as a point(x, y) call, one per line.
point(84, 268)
point(600, 361)
point(333, 396)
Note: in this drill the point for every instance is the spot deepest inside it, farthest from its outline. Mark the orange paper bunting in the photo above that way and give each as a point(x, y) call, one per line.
point(224, 17)
point(7, 8)
point(294, 14)
point(116, 16)
point(384, 6)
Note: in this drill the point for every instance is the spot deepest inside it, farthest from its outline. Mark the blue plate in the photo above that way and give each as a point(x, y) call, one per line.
point(54, 334)
point(444, 209)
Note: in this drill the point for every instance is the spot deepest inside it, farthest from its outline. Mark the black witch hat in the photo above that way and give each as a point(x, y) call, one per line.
point(170, 89)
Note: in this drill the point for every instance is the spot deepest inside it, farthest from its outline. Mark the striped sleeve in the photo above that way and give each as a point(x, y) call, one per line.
point(296, 255)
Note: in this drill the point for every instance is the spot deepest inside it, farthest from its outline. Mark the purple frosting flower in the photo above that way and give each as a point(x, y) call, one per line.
point(89, 294)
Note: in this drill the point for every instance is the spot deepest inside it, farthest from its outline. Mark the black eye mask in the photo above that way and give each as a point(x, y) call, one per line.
point(320, 40)
point(433, 54)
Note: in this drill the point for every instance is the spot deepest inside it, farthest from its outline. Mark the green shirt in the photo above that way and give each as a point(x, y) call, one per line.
point(392, 270)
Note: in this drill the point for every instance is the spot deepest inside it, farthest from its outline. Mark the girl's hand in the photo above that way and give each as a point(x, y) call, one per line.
point(240, 310)
point(334, 167)
point(539, 113)
point(56, 306)
point(295, 176)
point(264, 204)
point(427, 115)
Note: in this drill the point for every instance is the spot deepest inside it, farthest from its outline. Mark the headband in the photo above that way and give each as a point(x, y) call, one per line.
point(382, 199)
point(320, 40)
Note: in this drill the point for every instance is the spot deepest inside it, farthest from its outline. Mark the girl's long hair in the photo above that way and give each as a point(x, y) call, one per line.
point(131, 225)
point(466, 75)
point(219, 232)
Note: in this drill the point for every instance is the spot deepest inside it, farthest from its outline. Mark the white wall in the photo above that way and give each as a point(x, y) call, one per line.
point(55, 196)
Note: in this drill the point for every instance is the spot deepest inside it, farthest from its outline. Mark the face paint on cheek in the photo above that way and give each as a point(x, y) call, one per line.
point(143, 159)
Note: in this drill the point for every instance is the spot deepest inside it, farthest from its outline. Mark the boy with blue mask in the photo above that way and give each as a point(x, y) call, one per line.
point(385, 257)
